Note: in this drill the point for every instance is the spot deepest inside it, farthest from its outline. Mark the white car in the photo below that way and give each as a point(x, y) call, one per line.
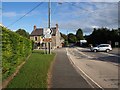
point(102, 47)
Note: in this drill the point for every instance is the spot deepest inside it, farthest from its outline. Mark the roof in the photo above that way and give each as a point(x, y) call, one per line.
point(37, 32)
point(54, 31)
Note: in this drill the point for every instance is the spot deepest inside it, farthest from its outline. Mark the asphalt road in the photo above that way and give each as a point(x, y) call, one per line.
point(100, 68)
point(112, 56)
point(64, 75)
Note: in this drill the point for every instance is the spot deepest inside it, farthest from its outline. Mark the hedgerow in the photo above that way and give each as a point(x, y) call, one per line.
point(15, 49)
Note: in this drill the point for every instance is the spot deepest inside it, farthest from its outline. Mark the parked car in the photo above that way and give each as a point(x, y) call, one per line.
point(102, 47)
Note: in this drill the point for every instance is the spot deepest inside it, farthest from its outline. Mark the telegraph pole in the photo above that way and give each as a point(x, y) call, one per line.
point(49, 14)
point(49, 19)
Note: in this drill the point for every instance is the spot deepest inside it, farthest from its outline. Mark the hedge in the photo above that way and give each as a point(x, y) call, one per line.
point(15, 49)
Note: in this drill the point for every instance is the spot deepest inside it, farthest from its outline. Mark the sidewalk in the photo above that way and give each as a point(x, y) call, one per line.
point(64, 75)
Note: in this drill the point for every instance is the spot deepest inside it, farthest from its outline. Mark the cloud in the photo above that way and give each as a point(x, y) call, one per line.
point(15, 14)
point(85, 15)
point(88, 15)
point(9, 14)
point(60, 0)
point(95, 26)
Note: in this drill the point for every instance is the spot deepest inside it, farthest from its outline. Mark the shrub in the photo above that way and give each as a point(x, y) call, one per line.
point(15, 49)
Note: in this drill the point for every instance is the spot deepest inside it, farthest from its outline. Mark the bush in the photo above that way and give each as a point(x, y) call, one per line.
point(15, 49)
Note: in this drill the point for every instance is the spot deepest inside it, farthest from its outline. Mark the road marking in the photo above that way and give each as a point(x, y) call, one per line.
point(84, 72)
point(84, 54)
point(99, 52)
point(89, 77)
point(109, 54)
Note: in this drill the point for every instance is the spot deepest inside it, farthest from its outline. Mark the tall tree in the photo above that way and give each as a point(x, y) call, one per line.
point(104, 35)
point(79, 34)
point(71, 38)
point(23, 33)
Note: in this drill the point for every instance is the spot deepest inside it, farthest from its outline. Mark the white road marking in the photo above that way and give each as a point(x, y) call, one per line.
point(99, 52)
point(85, 55)
point(89, 77)
point(109, 54)
point(84, 72)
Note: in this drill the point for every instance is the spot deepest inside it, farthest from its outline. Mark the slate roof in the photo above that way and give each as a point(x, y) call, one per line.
point(39, 32)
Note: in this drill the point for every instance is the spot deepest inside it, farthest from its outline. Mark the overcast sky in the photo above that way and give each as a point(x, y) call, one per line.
point(69, 15)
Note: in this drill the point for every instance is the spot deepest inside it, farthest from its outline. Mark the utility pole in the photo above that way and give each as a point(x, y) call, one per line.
point(49, 19)
point(49, 14)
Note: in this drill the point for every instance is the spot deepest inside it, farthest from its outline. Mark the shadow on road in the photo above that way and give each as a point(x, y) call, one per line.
point(103, 58)
point(108, 59)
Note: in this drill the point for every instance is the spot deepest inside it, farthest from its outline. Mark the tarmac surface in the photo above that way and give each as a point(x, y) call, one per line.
point(64, 75)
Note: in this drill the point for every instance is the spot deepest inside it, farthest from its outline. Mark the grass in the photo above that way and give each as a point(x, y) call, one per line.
point(33, 74)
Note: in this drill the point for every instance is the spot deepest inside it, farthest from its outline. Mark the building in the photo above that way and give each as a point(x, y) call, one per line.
point(37, 36)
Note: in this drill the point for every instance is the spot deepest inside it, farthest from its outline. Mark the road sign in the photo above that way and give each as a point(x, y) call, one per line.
point(47, 33)
point(47, 40)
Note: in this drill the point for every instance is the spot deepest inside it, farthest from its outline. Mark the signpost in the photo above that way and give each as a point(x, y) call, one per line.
point(47, 34)
point(47, 40)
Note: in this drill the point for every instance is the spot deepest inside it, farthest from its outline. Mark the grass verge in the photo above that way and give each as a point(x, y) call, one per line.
point(33, 74)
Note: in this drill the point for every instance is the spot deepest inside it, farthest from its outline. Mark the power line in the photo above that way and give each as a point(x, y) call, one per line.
point(54, 10)
point(91, 11)
point(25, 15)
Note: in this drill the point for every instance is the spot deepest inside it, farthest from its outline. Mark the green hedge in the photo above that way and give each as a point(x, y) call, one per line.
point(15, 49)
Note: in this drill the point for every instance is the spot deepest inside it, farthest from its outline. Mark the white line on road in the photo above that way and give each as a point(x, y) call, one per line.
point(84, 72)
point(99, 52)
point(109, 54)
point(85, 55)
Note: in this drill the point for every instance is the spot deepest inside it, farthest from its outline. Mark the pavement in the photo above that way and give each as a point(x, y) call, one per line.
point(64, 75)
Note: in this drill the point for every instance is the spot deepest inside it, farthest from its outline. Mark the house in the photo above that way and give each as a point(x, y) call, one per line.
point(38, 37)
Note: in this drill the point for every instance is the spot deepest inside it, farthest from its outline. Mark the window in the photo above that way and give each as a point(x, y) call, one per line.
point(106, 45)
point(103, 45)
point(35, 38)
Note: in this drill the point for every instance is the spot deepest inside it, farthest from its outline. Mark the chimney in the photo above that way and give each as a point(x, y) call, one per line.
point(34, 27)
point(56, 25)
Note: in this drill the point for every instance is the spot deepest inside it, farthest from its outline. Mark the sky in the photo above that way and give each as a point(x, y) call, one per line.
point(70, 16)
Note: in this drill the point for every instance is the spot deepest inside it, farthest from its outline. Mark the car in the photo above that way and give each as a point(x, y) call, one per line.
point(102, 47)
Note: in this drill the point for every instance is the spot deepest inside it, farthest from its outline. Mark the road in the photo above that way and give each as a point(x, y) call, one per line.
point(112, 56)
point(100, 69)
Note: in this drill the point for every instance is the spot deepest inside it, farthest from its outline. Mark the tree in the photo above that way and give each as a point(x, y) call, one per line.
point(71, 38)
point(23, 33)
point(79, 35)
point(104, 35)
point(64, 36)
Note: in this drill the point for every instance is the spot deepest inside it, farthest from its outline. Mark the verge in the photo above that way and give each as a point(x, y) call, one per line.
point(7, 81)
point(49, 75)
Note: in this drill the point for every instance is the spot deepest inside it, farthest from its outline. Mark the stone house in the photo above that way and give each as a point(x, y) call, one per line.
point(38, 37)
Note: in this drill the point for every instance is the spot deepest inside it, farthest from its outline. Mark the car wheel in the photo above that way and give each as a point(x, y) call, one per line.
point(95, 50)
point(107, 50)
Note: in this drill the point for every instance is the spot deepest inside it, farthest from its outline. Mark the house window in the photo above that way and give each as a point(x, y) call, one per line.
point(35, 38)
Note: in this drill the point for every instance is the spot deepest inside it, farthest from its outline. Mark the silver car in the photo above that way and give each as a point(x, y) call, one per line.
point(102, 47)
